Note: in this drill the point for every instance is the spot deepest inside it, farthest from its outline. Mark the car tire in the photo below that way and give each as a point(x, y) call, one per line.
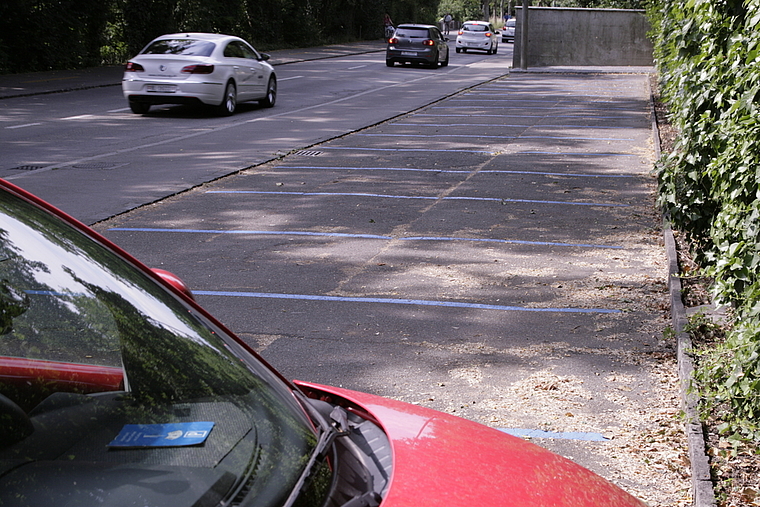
point(459, 50)
point(271, 96)
point(434, 63)
point(445, 62)
point(389, 63)
point(139, 107)
point(229, 100)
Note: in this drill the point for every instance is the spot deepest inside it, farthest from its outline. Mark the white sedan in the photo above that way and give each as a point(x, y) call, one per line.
point(477, 35)
point(198, 68)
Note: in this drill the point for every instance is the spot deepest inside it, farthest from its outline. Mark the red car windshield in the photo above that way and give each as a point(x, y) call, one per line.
point(112, 385)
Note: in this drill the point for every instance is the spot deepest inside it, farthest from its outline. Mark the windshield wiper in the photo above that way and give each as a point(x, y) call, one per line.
point(330, 431)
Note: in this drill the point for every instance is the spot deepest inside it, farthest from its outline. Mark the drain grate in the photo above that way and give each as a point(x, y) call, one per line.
point(28, 167)
point(308, 153)
point(94, 165)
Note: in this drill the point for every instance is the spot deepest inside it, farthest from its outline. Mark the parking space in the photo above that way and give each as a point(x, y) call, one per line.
point(494, 255)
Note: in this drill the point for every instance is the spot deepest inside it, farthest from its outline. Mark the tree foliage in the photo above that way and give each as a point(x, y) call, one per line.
point(65, 34)
point(61, 34)
point(708, 54)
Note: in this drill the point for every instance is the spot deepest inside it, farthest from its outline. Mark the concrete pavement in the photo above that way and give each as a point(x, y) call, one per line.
point(495, 254)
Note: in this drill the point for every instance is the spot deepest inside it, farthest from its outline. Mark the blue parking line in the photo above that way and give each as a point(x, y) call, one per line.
point(564, 435)
point(574, 116)
point(563, 107)
point(507, 115)
point(460, 136)
point(437, 135)
point(574, 175)
point(406, 149)
point(414, 302)
point(365, 236)
point(430, 198)
point(505, 125)
point(456, 171)
point(573, 153)
point(563, 100)
point(329, 194)
point(257, 233)
point(512, 242)
point(350, 168)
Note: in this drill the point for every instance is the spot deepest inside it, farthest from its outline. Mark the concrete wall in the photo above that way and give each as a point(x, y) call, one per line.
point(584, 37)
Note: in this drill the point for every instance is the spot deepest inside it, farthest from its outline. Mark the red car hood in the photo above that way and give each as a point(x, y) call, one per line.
point(440, 459)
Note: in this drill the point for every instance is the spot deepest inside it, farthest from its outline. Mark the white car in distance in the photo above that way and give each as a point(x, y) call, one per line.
point(477, 35)
point(508, 32)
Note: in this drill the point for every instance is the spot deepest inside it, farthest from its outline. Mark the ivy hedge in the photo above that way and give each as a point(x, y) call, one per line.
point(708, 56)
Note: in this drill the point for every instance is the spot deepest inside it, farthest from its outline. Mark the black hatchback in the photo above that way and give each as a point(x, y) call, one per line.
point(420, 44)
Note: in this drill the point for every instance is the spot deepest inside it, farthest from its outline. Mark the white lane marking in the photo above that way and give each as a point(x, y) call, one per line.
point(79, 117)
point(289, 78)
point(23, 126)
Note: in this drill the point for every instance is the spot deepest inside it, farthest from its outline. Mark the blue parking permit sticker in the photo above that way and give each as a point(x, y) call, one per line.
point(162, 435)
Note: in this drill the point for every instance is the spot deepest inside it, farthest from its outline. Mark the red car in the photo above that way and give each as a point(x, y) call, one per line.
point(117, 389)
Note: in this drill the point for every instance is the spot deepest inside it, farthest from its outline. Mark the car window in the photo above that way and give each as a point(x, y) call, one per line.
point(238, 49)
point(413, 33)
point(186, 47)
point(249, 52)
point(475, 28)
point(234, 50)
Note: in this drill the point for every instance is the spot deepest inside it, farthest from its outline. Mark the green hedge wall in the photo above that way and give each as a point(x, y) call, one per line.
point(708, 56)
point(63, 34)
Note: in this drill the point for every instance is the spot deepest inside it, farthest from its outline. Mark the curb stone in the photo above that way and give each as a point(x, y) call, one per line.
point(703, 494)
point(702, 487)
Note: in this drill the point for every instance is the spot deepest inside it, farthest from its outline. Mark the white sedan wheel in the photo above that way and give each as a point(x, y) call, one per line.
point(229, 101)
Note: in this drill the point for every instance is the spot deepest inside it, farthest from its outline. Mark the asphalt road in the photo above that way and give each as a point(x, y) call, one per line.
point(479, 242)
point(111, 160)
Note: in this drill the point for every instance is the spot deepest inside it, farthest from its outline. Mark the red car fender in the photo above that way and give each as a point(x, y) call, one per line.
point(443, 460)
